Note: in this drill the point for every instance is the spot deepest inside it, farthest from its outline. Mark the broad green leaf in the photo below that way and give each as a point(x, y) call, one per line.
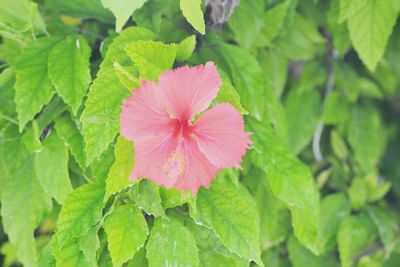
point(68, 130)
point(127, 76)
point(147, 196)
point(186, 48)
point(339, 30)
point(370, 28)
point(100, 119)
point(81, 210)
point(116, 52)
point(358, 193)
point(151, 58)
point(51, 164)
point(247, 77)
point(150, 15)
point(126, 230)
point(247, 21)
point(33, 87)
point(191, 9)
point(334, 208)
point(89, 243)
point(356, 233)
point(365, 137)
point(20, 16)
point(69, 255)
point(336, 109)
point(23, 201)
point(338, 145)
point(289, 180)
point(171, 244)
point(275, 67)
point(31, 138)
point(122, 10)
point(228, 94)
point(7, 81)
point(301, 257)
point(299, 40)
point(226, 211)
point(101, 166)
point(117, 178)
point(274, 19)
point(173, 197)
point(343, 10)
point(69, 69)
point(46, 259)
point(301, 107)
point(81, 9)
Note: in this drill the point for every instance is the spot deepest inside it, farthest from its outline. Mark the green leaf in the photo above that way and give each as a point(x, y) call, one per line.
point(33, 87)
point(247, 77)
point(81, 210)
point(100, 119)
point(173, 197)
point(7, 92)
point(334, 208)
point(69, 69)
point(151, 58)
point(147, 196)
point(358, 193)
point(150, 15)
point(191, 10)
point(69, 255)
point(171, 244)
point(289, 180)
point(339, 30)
point(227, 212)
point(336, 109)
point(68, 130)
point(302, 106)
point(89, 243)
point(21, 186)
point(370, 28)
point(365, 137)
point(116, 52)
point(126, 230)
point(356, 233)
point(46, 259)
point(301, 257)
point(53, 177)
point(247, 21)
point(273, 23)
point(120, 171)
point(186, 48)
point(126, 76)
point(122, 10)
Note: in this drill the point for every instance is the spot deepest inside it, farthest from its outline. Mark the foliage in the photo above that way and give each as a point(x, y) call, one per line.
point(316, 81)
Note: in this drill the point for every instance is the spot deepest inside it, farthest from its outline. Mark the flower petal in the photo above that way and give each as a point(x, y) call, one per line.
point(144, 114)
point(151, 155)
point(199, 171)
point(221, 136)
point(189, 90)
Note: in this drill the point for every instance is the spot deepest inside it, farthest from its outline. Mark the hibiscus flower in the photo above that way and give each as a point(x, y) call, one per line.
point(172, 147)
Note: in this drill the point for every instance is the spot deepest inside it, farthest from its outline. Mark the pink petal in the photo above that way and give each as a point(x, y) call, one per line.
point(199, 171)
point(221, 136)
point(151, 156)
point(144, 113)
point(189, 90)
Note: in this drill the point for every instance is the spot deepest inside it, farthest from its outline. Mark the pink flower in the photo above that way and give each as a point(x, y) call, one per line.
point(171, 147)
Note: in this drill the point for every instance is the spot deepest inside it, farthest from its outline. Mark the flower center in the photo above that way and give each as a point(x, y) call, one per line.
point(182, 128)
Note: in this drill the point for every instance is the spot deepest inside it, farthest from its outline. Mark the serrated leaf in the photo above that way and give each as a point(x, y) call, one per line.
point(81, 210)
point(33, 87)
point(21, 186)
point(289, 180)
point(126, 230)
point(151, 58)
point(46, 259)
point(122, 10)
point(334, 208)
point(68, 130)
point(147, 196)
point(370, 28)
point(69, 254)
point(100, 119)
point(247, 77)
point(186, 48)
point(69, 69)
point(89, 243)
point(246, 22)
point(171, 244)
point(121, 169)
point(173, 197)
point(223, 209)
point(116, 52)
point(126, 75)
point(191, 10)
point(356, 233)
point(7, 92)
point(53, 177)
